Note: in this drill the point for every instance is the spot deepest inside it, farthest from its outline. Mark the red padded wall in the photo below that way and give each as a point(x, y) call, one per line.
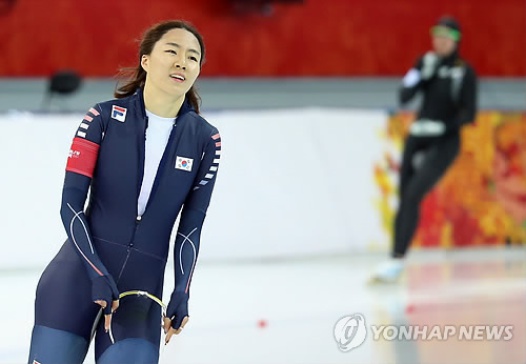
point(318, 38)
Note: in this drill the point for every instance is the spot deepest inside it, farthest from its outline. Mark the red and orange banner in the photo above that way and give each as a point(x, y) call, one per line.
point(482, 198)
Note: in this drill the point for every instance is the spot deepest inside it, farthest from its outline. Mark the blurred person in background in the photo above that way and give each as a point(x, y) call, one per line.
point(143, 156)
point(449, 88)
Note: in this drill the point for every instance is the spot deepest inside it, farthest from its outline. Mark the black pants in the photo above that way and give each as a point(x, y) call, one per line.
point(417, 177)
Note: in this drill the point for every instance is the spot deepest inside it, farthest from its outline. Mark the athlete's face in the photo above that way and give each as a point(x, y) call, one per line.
point(174, 63)
point(443, 46)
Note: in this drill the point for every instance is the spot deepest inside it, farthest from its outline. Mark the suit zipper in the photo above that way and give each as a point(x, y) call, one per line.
point(160, 169)
point(142, 147)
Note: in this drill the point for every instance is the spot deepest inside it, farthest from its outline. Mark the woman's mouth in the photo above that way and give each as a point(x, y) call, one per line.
point(177, 77)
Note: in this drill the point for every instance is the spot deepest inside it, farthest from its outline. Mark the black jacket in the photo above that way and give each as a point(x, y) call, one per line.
point(450, 95)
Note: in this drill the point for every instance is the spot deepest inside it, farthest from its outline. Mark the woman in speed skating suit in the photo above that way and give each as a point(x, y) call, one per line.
point(448, 85)
point(144, 157)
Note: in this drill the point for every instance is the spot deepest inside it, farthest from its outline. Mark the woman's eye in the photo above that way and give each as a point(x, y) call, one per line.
point(193, 59)
point(171, 51)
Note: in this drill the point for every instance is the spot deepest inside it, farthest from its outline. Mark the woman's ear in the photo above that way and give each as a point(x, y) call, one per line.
point(144, 62)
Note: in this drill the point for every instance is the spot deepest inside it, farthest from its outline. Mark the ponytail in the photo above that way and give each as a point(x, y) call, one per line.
point(136, 79)
point(193, 97)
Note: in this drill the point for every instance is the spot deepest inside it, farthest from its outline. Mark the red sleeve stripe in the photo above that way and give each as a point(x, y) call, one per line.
point(83, 157)
point(94, 112)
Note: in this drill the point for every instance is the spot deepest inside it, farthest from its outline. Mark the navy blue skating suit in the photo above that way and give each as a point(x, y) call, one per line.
point(110, 248)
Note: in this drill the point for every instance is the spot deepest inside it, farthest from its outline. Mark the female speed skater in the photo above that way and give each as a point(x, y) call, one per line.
point(449, 87)
point(145, 157)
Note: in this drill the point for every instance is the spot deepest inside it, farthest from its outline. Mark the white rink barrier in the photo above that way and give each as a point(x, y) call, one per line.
point(291, 183)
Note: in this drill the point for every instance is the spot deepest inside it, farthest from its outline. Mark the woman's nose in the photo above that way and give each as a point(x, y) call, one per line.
point(180, 63)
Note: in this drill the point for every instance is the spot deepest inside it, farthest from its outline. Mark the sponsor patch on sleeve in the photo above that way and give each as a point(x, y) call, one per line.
point(82, 157)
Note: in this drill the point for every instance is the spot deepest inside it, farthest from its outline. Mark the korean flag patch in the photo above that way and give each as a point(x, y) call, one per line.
point(184, 164)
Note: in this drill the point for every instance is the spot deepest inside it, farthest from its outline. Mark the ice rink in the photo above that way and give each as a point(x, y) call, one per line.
point(285, 311)
point(247, 309)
